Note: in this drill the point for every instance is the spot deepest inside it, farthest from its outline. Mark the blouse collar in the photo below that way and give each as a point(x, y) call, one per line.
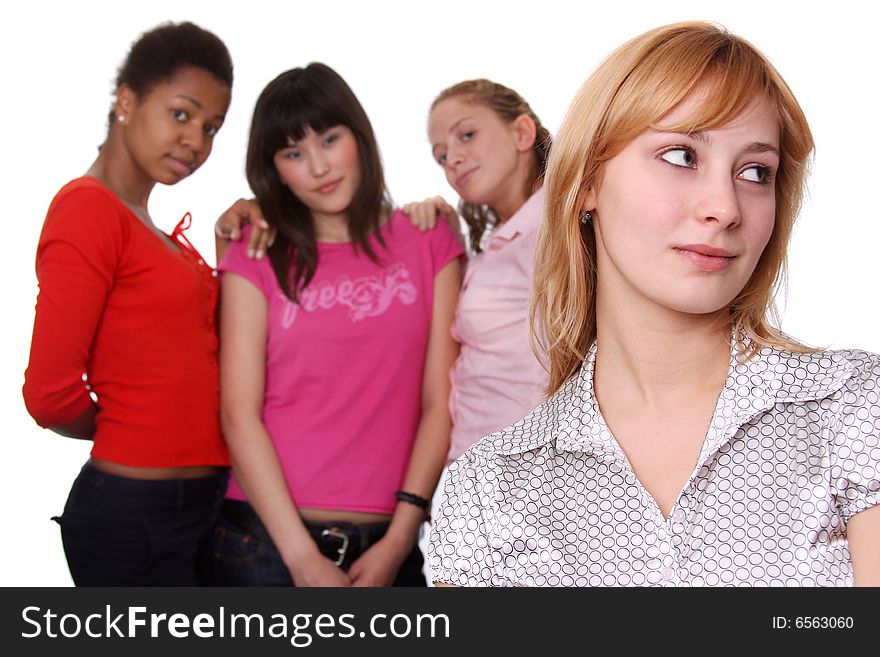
point(524, 219)
point(571, 418)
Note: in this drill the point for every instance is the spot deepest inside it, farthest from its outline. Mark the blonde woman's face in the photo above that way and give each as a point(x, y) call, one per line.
point(682, 219)
point(477, 150)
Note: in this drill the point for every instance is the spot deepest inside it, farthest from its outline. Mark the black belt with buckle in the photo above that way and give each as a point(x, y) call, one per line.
point(341, 542)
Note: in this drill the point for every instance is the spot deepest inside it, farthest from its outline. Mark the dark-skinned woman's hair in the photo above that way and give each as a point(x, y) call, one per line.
point(316, 98)
point(158, 55)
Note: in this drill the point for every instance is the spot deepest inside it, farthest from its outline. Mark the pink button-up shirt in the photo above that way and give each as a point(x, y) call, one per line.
point(496, 379)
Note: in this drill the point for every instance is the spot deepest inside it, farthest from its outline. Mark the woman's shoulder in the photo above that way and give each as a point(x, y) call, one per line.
point(236, 261)
point(865, 366)
point(87, 191)
point(853, 415)
point(84, 206)
point(437, 245)
point(844, 363)
point(400, 225)
point(814, 375)
point(860, 358)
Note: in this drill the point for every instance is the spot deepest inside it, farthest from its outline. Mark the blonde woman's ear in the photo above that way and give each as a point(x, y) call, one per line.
point(589, 202)
point(525, 132)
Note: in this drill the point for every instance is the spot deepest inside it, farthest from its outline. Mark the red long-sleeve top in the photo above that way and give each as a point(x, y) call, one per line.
point(123, 315)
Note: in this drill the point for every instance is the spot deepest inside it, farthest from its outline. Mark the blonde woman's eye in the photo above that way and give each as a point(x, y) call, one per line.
point(757, 174)
point(680, 157)
point(468, 135)
point(441, 160)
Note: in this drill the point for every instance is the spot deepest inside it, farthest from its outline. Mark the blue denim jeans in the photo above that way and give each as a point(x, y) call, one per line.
point(244, 554)
point(132, 532)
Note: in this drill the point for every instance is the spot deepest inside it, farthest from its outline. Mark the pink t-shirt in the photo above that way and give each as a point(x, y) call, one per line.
point(344, 369)
point(497, 379)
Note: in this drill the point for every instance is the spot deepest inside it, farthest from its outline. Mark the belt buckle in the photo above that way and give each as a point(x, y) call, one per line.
point(334, 532)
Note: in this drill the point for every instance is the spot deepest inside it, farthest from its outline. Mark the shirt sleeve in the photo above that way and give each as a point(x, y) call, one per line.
point(855, 451)
point(79, 250)
point(236, 262)
point(444, 246)
point(460, 550)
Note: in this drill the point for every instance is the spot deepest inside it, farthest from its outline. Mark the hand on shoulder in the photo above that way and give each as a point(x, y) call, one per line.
point(424, 214)
point(241, 213)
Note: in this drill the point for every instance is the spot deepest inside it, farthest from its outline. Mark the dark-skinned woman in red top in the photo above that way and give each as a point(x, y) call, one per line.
point(124, 349)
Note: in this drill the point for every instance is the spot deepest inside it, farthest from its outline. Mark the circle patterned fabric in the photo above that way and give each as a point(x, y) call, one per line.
point(792, 452)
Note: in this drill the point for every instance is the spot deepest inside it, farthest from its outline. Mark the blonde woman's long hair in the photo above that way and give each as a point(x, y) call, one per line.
point(629, 93)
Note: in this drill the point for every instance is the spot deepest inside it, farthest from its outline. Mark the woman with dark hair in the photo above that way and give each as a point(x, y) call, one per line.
point(335, 355)
point(493, 150)
point(124, 328)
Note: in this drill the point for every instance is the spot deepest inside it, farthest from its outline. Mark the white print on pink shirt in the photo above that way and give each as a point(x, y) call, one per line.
point(367, 296)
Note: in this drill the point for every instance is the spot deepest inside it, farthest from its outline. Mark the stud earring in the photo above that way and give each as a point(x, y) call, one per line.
point(586, 216)
point(121, 118)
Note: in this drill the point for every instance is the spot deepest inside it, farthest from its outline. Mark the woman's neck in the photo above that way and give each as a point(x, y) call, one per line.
point(513, 196)
point(115, 168)
point(659, 358)
point(505, 209)
point(331, 228)
point(334, 228)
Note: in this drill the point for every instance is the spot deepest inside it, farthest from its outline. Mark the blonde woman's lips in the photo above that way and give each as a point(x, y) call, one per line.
point(463, 178)
point(705, 257)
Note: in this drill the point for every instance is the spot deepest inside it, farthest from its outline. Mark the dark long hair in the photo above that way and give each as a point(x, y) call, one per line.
point(313, 97)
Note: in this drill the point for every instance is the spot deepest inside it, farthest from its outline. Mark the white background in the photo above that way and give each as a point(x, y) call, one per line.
point(58, 61)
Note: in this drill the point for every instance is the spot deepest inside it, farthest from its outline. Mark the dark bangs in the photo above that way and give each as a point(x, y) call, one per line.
point(313, 97)
point(298, 105)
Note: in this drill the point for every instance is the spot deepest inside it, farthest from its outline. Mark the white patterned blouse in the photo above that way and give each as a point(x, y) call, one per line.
point(792, 452)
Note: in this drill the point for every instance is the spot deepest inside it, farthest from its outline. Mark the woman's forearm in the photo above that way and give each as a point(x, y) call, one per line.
point(82, 427)
point(260, 476)
point(425, 465)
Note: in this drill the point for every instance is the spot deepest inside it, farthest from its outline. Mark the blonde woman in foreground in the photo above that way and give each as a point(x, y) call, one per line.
point(686, 441)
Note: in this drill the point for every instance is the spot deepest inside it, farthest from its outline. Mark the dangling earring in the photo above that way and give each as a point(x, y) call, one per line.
point(586, 216)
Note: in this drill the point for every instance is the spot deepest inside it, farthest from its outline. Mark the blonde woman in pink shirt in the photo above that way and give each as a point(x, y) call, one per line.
point(493, 150)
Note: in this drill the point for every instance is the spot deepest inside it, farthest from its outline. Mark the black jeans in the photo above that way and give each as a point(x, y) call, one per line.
point(244, 554)
point(131, 532)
